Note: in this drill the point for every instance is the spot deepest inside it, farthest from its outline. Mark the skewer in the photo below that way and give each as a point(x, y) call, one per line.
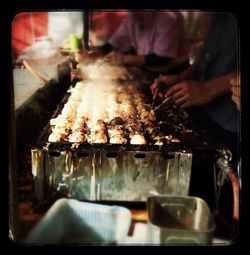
point(162, 103)
point(153, 102)
point(154, 97)
point(35, 72)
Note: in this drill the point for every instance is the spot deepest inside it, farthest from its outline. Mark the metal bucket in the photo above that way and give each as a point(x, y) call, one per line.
point(179, 220)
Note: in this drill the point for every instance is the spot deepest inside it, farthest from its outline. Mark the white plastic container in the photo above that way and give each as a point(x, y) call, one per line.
point(76, 222)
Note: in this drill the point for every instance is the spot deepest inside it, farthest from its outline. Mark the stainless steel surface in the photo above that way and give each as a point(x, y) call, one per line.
point(26, 85)
point(124, 172)
point(107, 175)
point(179, 220)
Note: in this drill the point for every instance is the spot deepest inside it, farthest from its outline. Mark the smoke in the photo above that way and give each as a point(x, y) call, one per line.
point(104, 71)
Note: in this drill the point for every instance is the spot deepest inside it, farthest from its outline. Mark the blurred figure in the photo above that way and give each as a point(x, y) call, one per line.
point(205, 85)
point(103, 25)
point(205, 90)
point(236, 91)
point(152, 40)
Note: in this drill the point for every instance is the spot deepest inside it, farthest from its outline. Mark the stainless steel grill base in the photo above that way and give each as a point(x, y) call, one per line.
point(109, 175)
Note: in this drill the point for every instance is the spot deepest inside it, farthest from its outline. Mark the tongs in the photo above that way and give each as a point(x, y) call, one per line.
point(154, 97)
point(161, 104)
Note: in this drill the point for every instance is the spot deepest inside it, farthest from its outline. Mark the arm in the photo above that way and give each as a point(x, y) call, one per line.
point(220, 85)
point(194, 93)
point(116, 57)
point(96, 52)
point(188, 73)
point(135, 60)
point(163, 82)
point(236, 91)
point(82, 57)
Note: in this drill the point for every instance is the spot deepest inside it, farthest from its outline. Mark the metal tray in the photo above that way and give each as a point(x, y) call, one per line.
point(179, 220)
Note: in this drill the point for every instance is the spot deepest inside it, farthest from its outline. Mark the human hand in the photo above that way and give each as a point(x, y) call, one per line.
point(114, 57)
point(80, 56)
point(162, 83)
point(236, 92)
point(190, 93)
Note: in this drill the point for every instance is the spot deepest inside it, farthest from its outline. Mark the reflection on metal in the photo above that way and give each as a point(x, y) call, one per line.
point(38, 173)
point(223, 161)
point(103, 175)
point(179, 220)
point(223, 164)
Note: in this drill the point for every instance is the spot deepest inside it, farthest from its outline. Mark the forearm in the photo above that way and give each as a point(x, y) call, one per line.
point(220, 86)
point(95, 55)
point(104, 49)
point(97, 52)
point(135, 60)
point(147, 60)
point(81, 56)
point(187, 73)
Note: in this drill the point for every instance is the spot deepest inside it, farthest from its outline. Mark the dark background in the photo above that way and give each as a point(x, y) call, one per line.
point(8, 11)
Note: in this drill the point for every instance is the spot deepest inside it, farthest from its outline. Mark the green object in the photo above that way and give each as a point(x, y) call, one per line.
point(75, 42)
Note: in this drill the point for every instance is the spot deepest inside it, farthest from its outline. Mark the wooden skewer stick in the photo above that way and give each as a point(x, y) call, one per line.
point(35, 72)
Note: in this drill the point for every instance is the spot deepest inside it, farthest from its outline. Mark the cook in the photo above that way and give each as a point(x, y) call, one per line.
point(154, 40)
point(205, 87)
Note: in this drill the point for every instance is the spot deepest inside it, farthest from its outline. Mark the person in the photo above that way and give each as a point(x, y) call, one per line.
point(204, 90)
point(236, 91)
point(205, 86)
point(236, 98)
point(153, 40)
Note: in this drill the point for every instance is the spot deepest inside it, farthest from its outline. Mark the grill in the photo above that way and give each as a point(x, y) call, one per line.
point(118, 172)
